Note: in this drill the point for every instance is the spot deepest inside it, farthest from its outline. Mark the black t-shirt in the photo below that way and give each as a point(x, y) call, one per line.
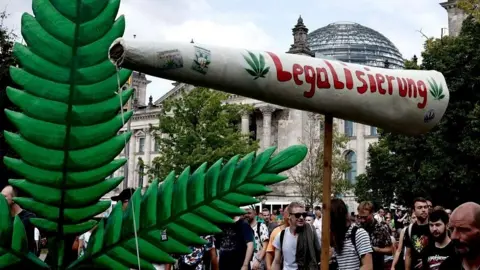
point(398, 224)
point(417, 242)
point(25, 216)
point(434, 256)
point(232, 244)
point(452, 263)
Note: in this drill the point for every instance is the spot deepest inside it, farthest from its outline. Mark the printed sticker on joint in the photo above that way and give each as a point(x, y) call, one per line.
point(170, 59)
point(202, 60)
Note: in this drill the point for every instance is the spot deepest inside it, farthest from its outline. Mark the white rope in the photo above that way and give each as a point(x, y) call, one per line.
point(120, 91)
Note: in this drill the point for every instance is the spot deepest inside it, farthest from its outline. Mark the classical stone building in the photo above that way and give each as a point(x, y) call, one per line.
point(456, 17)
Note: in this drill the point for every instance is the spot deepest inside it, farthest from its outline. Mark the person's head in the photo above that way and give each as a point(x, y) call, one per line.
point(465, 227)
point(318, 211)
point(420, 207)
point(251, 215)
point(388, 217)
point(449, 211)
point(280, 211)
point(438, 221)
point(430, 206)
point(124, 197)
point(365, 214)
point(381, 212)
point(296, 215)
point(9, 193)
point(413, 217)
point(309, 219)
point(266, 215)
point(339, 223)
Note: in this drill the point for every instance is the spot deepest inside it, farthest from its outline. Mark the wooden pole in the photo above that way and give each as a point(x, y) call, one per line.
point(327, 190)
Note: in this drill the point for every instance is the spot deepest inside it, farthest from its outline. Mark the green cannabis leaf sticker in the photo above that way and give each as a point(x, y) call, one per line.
point(436, 90)
point(257, 65)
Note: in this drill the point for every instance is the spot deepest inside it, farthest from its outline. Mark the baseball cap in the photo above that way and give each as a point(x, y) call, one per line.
point(126, 194)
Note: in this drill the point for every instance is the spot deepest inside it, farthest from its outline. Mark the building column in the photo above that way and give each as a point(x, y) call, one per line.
point(267, 126)
point(361, 154)
point(148, 147)
point(245, 123)
point(131, 160)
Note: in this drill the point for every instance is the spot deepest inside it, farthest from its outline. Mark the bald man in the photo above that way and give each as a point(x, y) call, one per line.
point(465, 226)
point(15, 210)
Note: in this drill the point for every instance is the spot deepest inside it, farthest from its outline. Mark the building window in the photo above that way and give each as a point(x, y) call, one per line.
point(141, 145)
point(351, 157)
point(348, 128)
point(373, 131)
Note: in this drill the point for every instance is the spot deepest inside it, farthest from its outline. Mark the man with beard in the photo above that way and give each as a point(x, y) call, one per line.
point(465, 226)
point(378, 232)
point(416, 235)
point(441, 247)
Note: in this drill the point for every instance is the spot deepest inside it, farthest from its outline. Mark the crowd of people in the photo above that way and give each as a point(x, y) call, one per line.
point(424, 238)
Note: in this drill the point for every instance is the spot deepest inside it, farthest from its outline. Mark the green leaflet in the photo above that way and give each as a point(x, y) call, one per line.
point(70, 118)
point(257, 65)
point(188, 206)
point(14, 252)
point(436, 90)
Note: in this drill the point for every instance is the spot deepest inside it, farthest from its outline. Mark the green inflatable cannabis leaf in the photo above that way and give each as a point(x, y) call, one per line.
point(68, 126)
point(186, 207)
point(14, 252)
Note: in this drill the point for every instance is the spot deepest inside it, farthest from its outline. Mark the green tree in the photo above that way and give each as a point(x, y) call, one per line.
point(198, 127)
point(7, 39)
point(471, 7)
point(308, 175)
point(443, 164)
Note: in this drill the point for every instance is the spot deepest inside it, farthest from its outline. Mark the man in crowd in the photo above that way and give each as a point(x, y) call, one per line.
point(268, 220)
point(416, 235)
point(378, 232)
point(430, 206)
point(9, 193)
point(441, 247)
point(124, 197)
point(297, 247)
point(465, 226)
point(380, 216)
point(235, 245)
point(270, 248)
point(260, 239)
point(317, 223)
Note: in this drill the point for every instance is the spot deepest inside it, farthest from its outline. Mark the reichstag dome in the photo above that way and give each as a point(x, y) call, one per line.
point(355, 43)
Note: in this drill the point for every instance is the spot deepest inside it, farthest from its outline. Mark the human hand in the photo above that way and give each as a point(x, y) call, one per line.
point(256, 264)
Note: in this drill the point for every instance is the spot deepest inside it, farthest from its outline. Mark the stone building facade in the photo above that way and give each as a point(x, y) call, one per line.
point(456, 17)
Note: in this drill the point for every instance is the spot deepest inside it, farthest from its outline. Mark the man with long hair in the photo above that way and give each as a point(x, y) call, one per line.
point(351, 244)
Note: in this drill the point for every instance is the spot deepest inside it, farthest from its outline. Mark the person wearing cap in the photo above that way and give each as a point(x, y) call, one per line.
point(124, 197)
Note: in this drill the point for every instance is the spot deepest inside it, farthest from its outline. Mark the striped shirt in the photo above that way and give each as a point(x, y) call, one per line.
point(349, 259)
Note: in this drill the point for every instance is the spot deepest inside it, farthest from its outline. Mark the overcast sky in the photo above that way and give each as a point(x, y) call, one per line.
point(264, 24)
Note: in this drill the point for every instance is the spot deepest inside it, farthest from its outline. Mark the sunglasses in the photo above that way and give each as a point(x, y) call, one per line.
point(298, 215)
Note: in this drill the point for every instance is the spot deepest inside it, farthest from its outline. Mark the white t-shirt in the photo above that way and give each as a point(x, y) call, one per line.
point(289, 249)
point(348, 259)
point(36, 236)
point(317, 223)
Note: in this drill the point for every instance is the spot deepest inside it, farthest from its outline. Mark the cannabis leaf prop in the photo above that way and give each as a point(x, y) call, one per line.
point(257, 65)
point(436, 90)
point(14, 252)
point(67, 137)
point(186, 207)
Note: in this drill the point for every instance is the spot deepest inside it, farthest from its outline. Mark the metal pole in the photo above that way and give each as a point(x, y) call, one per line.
point(327, 190)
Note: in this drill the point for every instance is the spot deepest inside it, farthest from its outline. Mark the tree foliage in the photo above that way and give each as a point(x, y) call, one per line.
point(308, 175)
point(7, 39)
point(471, 7)
point(198, 127)
point(443, 164)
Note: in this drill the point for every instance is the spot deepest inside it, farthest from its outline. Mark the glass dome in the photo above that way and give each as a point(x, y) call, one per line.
point(355, 43)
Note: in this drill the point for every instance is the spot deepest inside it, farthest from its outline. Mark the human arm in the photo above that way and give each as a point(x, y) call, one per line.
point(277, 260)
point(364, 249)
point(398, 252)
point(408, 251)
point(214, 259)
point(248, 238)
point(257, 260)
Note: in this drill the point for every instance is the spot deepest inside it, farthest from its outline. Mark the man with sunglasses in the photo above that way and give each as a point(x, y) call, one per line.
point(296, 247)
